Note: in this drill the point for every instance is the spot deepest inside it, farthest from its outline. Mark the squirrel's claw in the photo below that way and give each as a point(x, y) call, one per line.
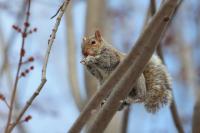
point(83, 62)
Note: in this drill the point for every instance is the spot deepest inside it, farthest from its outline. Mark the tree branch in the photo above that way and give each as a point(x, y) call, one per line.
point(196, 115)
point(22, 52)
point(11, 38)
point(43, 78)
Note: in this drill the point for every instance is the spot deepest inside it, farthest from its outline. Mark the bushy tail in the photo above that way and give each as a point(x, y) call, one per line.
point(158, 84)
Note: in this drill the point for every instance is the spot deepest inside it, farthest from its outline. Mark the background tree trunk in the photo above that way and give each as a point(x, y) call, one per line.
point(95, 15)
point(97, 19)
point(196, 116)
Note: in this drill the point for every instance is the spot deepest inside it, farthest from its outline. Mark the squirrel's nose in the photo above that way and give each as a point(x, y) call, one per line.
point(85, 53)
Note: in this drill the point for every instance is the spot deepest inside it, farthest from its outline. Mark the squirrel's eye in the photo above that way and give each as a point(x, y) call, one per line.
point(93, 42)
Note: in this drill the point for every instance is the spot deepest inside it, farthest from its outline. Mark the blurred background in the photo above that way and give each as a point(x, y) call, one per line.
point(69, 86)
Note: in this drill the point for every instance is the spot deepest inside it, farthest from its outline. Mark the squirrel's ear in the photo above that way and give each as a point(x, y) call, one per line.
point(98, 35)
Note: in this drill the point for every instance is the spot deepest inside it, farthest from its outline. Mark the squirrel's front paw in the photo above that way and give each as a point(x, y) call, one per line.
point(88, 60)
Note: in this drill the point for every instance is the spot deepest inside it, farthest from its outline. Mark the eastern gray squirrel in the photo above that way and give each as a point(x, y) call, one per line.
point(153, 87)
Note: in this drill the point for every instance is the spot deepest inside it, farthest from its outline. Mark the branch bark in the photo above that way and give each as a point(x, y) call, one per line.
point(146, 42)
point(196, 115)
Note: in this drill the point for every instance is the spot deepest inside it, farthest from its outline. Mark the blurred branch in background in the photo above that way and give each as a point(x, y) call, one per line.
point(125, 119)
point(19, 66)
point(6, 68)
point(94, 16)
point(11, 39)
point(71, 57)
point(10, 126)
point(8, 73)
point(196, 78)
point(44, 67)
point(173, 108)
point(196, 115)
point(97, 18)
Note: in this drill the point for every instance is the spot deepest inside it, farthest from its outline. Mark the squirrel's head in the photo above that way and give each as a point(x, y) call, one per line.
point(91, 45)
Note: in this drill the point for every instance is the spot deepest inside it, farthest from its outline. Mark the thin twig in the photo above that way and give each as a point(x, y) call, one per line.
point(11, 39)
point(57, 12)
point(176, 117)
point(173, 107)
point(149, 13)
point(119, 72)
point(18, 69)
point(43, 78)
point(6, 102)
point(196, 114)
point(6, 67)
point(126, 112)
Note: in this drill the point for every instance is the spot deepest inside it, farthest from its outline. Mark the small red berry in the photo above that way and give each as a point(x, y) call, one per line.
point(26, 24)
point(23, 74)
point(2, 97)
point(24, 34)
point(27, 118)
point(32, 67)
point(14, 27)
point(35, 29)
point(22, 52)
point(31, 59)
